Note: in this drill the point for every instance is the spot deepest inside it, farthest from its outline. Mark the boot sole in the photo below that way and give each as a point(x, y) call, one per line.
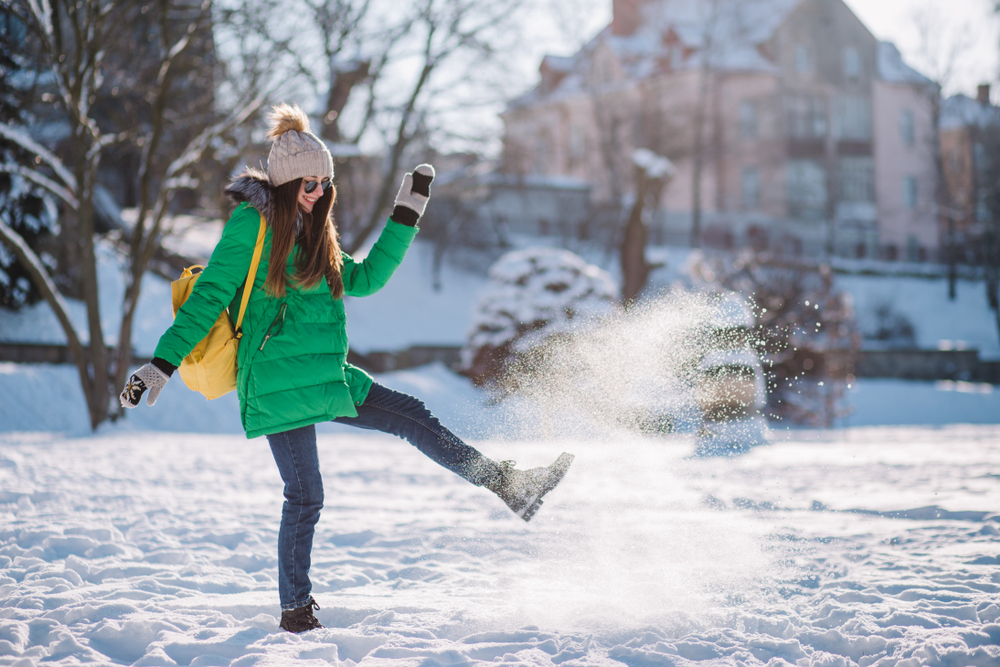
point(556, 472)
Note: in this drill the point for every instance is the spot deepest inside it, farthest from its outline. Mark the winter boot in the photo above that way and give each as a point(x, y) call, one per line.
point(522, 490)
point(301, 619)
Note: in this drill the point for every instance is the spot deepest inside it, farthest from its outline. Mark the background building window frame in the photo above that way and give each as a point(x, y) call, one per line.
point(748, 119)
point(907, 127)
point(807, 189)
point(855, 179)
point(751, 188)
point(803, 59)
point(852, 63)
point(852, 118)
point(911, 191)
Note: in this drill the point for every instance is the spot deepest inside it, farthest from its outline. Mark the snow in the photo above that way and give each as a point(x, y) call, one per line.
point(939, 322)
point(868, 546)
point(152, 542)
point(655, 166)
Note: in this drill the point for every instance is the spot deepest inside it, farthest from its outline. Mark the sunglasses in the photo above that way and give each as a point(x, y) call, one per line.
point(311, 185)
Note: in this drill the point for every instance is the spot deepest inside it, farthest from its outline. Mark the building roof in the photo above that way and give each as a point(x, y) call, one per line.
point(891, 67)
point(962, 111)
point(676, 31)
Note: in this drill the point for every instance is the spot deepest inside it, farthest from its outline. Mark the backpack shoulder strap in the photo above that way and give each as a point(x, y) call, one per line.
point(250, 276)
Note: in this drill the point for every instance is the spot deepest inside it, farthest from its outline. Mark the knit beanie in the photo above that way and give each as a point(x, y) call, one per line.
point(296, 152)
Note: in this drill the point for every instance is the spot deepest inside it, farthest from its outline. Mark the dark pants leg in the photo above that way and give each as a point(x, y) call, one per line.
point(298, 463)
point(407, 417)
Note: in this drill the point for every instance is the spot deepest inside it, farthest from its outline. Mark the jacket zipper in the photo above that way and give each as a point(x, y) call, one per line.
point(279, 319)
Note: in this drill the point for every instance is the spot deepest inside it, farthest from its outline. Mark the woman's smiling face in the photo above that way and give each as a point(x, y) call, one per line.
point(308, 199)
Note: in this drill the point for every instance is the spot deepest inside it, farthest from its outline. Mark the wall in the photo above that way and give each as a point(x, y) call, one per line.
point(895, 161)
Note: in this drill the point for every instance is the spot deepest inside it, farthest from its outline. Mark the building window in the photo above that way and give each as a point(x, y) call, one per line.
point(803, 61)
point(748, 120)
point(853, 118)
point(913, 253)
point(856, 179)
point(806, 117)
point(577, 144)
point(807, 195)
point(907, 131)
point(852, 63)
point(543, 151)
point(910, 191)
point(751, 187)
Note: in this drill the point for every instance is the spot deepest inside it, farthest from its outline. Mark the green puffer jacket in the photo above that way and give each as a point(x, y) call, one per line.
point(293, 368)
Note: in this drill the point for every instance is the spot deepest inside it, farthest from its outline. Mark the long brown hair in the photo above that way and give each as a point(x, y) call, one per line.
point(318, 254)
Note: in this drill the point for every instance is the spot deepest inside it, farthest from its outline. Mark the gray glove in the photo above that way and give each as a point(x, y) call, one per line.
point(147, 377)
point(413, 195)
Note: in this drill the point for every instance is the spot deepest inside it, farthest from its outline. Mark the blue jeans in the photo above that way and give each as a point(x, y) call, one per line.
point(298, 462)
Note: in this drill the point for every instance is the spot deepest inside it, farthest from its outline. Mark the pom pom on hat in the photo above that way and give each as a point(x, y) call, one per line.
point(296, 151)
point(285, 117)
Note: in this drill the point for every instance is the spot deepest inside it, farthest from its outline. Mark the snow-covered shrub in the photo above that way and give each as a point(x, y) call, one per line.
point(805, 331)
point(25, 207)
point(534, 296)
point(31, 212)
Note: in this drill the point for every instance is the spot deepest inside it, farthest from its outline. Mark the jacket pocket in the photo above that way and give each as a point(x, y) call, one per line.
point(277, 324)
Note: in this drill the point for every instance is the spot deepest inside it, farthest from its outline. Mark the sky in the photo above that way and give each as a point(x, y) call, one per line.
point(969, 24)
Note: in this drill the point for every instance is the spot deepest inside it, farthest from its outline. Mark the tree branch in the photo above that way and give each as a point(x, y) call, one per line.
point(12, 133)
point(44, 181)
point(33, 264)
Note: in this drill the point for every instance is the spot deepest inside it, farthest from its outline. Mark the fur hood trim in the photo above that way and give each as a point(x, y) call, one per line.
point(254, 187)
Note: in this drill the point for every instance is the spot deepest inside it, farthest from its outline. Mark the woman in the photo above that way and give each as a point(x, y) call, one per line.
point(292, 363)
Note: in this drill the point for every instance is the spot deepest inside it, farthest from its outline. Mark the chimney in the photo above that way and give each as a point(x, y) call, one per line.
point(983, 94)
point(625, 17)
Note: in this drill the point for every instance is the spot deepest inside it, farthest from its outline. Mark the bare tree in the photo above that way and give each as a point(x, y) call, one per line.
point(942, 45)
point(392, 75)
point(80, 43)
point(652, 173)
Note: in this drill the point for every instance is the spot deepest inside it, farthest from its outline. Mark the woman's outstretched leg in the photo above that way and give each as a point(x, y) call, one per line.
point(407, 417)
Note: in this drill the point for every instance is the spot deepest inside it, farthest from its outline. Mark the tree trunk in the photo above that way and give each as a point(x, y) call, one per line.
point(635, 268)
point(698, 157)
point(98, 394)
point(341, 84)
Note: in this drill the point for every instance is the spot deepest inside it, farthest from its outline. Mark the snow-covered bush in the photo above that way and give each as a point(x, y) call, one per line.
point(31, 212)
point(534, 296)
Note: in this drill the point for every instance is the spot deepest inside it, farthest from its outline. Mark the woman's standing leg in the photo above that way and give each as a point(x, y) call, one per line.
point(298, 462)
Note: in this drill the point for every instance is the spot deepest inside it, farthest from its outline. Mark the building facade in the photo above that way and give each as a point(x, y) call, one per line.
point(970, 137)
point(793, 129)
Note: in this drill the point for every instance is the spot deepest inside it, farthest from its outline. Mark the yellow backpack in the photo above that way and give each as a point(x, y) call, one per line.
point(211, 366)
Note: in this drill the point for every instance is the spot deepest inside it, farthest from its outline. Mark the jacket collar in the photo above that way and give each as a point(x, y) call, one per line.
point(253, 187)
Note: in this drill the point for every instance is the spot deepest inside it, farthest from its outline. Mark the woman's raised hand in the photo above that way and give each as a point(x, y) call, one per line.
point(411, 200)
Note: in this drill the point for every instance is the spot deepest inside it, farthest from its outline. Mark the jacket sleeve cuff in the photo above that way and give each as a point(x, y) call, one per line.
point(164, 365)
point(404, 215)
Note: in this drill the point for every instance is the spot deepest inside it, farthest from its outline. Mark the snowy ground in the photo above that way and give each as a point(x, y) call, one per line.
point(152, 542)
point(869, 546)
